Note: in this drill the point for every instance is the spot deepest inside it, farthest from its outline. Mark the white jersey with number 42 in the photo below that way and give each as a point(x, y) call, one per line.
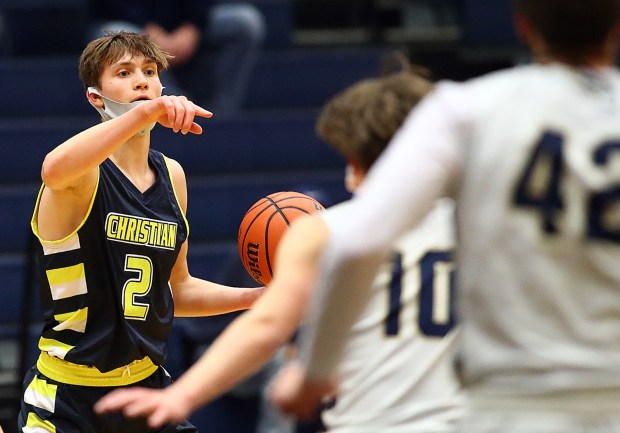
point(539, 224)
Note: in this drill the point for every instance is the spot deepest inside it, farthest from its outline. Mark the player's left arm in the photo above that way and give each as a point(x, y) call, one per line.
point(194, 296)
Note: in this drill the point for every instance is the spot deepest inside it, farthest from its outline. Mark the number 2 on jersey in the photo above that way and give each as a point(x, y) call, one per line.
point(436, 294)
point(136, 287)
point(540, 187)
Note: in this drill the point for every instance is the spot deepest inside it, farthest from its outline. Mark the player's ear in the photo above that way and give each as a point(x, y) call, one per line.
point(522, 26)
point(354, 176)
point(530, 36)
point(615, 33)
point(94, 97)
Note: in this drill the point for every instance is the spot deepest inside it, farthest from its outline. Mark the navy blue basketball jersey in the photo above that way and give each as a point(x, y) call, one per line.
point(105, 288)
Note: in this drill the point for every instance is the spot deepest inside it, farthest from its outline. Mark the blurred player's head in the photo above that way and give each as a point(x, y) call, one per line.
point(570, 30)
point(360, 121)
point(108, 49)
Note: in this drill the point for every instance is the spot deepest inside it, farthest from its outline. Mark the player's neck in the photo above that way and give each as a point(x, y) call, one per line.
point(591, 62)
point(603, 57)
point(132, 159)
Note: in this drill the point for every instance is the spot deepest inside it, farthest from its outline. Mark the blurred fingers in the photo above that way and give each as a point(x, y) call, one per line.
point(118, 399)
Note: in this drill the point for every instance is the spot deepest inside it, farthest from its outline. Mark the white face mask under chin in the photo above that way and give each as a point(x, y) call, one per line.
point(112, 109)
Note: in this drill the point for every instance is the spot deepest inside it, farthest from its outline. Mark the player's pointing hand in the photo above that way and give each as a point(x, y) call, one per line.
point(176, 112)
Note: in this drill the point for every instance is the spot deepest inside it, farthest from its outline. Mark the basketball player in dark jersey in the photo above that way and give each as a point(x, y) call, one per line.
point(110, 218)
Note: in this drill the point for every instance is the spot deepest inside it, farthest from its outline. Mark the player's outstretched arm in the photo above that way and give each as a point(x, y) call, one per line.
point(81, 154)
point(247, 344)
point(195, 297)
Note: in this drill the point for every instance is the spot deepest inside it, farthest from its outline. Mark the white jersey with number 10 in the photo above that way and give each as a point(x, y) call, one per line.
point(397, 369)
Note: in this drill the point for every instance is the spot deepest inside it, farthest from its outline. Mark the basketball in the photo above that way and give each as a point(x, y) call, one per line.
point(264, 225)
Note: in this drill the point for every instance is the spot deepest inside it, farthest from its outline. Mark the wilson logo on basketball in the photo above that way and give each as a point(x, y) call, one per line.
point(252, 256)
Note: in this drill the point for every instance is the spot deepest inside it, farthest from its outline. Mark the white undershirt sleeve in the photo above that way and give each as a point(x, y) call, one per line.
point(421, 164)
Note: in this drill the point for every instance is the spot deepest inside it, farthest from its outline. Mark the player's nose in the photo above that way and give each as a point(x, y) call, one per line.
point(141, 82)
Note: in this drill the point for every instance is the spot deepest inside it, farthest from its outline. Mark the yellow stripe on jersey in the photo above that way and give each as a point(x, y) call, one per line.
point(67, 282)
point(41, 394)
point(34, 424)
point(74, 320)
point(54, 347)
point(86, 375)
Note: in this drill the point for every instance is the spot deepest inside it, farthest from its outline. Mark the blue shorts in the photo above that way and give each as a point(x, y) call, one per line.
point(67, 408)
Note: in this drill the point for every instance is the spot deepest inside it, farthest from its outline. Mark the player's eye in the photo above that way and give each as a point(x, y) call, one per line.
point(150, 72)
point(123, 73)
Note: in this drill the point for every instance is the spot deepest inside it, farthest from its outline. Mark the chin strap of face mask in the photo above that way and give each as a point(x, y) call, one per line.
point(112, 109)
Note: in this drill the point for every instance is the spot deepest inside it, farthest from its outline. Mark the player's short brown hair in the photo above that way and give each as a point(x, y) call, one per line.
point(360, 121)
point(110, 48)
point(572, 29)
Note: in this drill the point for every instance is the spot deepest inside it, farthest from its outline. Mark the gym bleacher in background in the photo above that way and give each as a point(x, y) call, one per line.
point(314, 48)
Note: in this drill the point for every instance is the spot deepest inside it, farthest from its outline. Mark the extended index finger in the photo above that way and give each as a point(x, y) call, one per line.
point(202, 112)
